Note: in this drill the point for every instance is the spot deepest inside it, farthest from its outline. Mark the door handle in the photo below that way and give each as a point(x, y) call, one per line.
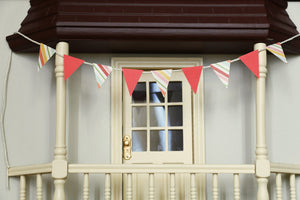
point(127, 147)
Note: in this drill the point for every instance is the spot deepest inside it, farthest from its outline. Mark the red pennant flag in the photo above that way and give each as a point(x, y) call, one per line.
point(251, 61)
point(193, 74)
point(71, 64)
point(132, 76)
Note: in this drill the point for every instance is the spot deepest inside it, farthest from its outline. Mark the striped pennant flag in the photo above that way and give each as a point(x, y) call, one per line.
point(45, 54)
point(277, 50)
point(222, 70)
point(162, 78)
point(101, 73)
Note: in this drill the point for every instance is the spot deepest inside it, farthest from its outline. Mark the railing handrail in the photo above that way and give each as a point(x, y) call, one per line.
point(285, 168)
point(163, 168)
point(30, 169)
point(150, 168)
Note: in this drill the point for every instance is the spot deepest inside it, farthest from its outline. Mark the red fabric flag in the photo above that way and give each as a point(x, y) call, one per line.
point(71, 64)
point(193, 74)
point(251, 61)
point(132, 76)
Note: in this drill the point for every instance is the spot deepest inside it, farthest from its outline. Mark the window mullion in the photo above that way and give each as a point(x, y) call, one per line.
point(166, 122)
point(148, 115)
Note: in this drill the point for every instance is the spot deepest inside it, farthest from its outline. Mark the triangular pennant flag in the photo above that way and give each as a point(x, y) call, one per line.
point(132, 77)
point(162, 78)
point(222, 70)
point(71, 64)
point(277, 50)
point(193, 74)
point(45, 54)
point(251, 61)
point(101, 73)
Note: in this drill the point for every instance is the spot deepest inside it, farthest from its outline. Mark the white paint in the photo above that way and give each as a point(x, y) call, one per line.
point(31, 114)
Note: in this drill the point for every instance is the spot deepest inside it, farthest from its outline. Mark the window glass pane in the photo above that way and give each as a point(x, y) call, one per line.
point(157, 116)
point(175, 92)
point(139, 140)
point(155, 93)
point(139, 116)
point(175, 140)
point(157, 140)
point(175, 115)
point(139, 93)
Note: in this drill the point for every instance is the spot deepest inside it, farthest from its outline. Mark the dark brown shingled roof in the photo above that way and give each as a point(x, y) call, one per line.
point(156, 26)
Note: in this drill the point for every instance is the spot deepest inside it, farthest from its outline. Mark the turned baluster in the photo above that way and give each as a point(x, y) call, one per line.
point(193, 186)
point(107, 190)
point(129, 187)
point(215, 188)
point(22, 188)
point(39, 187)
point(86, 186)
point(293, 186)
point(151, 187)
point(236, 186)
point(172, 187)
point(278, 187)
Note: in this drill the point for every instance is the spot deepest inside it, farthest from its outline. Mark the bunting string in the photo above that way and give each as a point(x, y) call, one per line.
point(222, 69)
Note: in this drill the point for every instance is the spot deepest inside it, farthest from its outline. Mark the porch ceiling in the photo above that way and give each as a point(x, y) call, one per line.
point(156, 26)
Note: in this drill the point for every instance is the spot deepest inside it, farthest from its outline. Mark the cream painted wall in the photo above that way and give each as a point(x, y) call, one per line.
point(229, 114)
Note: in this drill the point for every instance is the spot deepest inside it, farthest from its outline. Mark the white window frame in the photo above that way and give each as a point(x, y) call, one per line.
point(148, 63)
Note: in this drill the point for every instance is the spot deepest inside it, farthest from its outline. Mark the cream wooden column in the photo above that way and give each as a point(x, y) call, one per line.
point(262, 164)
point(59, 164)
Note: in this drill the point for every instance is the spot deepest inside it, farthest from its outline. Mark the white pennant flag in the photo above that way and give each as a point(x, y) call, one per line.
point(277, 50)
point(222, 70)
point(162, 78)
point(101, 73)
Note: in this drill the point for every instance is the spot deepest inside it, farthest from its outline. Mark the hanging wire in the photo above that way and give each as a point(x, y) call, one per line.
point(4, 105)
point(289, 39)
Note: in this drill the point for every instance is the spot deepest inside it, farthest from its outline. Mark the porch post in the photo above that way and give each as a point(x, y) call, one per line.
point(59, 164)
point(262, 164)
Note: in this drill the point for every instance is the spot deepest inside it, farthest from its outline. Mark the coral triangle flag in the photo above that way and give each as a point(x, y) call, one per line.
point(193, 74)
point(132, 76)
point(277, 50)
point(222, 70)
point(101, 73)
point(45, 54)
point(251, 61)
point(71, 64)
point(162, 78)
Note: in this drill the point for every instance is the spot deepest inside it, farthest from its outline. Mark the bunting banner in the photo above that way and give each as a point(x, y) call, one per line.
point(251, 61)
point(132, 77)
point(162, 78)
point(277, 50)
point(193, 74)
point(101, 73)
point(71, 65)
point(45, 54)
point(222, 70)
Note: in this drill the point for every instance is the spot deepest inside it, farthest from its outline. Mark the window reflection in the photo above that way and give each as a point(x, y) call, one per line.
point(155, 93)
point(175, 92)
point(157, 140)
point(175, 140)
point(139, 116)
point(139, 93)
point(175, 115)
point(139, 141)
point(157, 116)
